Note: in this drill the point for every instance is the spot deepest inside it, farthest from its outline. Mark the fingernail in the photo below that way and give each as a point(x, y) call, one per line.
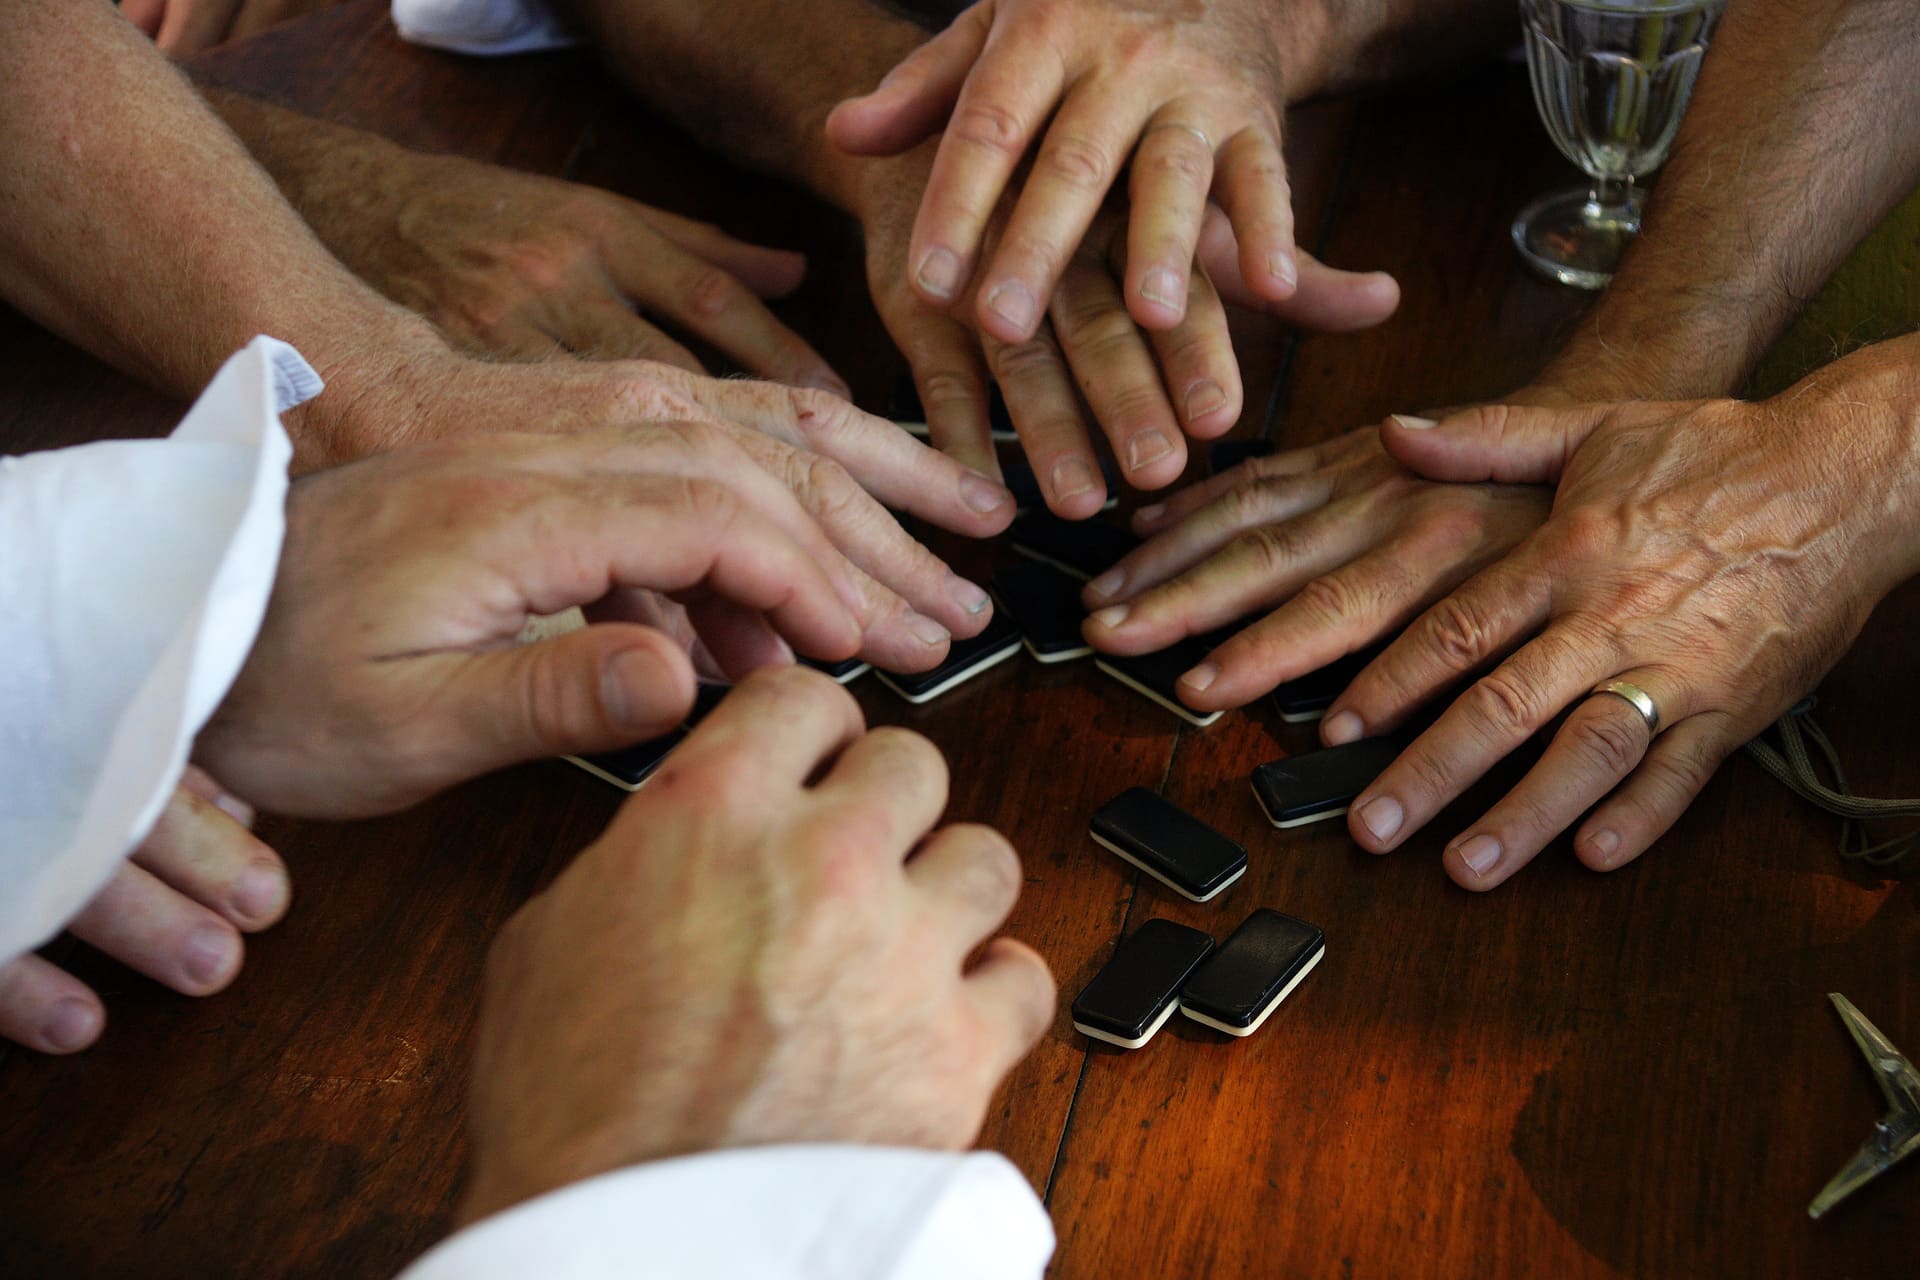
point(1152, 513)
point(260, 893)
point(1281, 264)
point(208, 954)
point(938, 273)
point(1201, 676)
point(1382, 816)
point(1480, 853)
point(620, 675)
point(1412, 423)
point(831, 384)
point(966, 594)
point(1108, 583)
point(1147, 448)
point(1162, 286)
point(929, 632)
point(234, 807)
point(72, 1024)
point(1342, 728)
point(1604, 842)
point(982, 494)
point(1113, 615)
point(1014, 303)
point(1203, 398)
point(1072, 476)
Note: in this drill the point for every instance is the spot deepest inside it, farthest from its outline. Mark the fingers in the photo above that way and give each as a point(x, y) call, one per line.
point(1459, 635)
point(1512, 444)
point(970, 876)
point(1014, 995)
point(778, 726)
point(770, 273)
point(1171, 175)
point(1675, 769)
point(603, 687)
point(709, 301)
point(1327, 299)
point(1246, 503)
point(200, 851)
point(1007, 96)
point(200, 783)
point(146, 15)
point(1490, 719)
point(738, 640)
point(1085, 146)
point(44, 1007)
point(190, 26)
point(1045, 409)
point(914, 99)
point(598, 325)
point(1197, 364)
point(1253, 191)
point(892, 776)
point(951, 377)
point(147, 926)
point(885, 461)
point(1601, 742)
point(1150, 520)
point(1119, 375)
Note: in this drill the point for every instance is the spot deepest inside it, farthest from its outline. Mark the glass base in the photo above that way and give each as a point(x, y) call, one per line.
point(1566, 236)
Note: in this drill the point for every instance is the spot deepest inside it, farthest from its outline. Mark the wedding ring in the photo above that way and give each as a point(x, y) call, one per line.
point(1637, 698)
point(1205, 141)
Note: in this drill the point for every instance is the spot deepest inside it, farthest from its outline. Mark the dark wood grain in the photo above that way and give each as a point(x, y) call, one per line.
point(1581, 1075)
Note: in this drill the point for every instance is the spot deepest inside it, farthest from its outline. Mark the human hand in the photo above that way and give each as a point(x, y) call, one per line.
point(1338, 544)
point(746, 958)
point(385, 669)
point(518, 265)
point(174, 911)
point(1716, 554)
point(1189, 94)
point(185, 27)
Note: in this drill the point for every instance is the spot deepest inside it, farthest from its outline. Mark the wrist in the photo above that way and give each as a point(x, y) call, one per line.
point(1867, 415)
point(382, 373)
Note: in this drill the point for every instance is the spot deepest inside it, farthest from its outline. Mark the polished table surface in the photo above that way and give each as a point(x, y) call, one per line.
point(1635, 1074)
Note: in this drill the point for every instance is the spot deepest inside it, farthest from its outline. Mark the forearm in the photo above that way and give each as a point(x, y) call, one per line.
point(1804, 131)
point(754, 78)
point(138, 228)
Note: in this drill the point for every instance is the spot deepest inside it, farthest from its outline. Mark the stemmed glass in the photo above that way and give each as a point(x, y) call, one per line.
point(1611, 79)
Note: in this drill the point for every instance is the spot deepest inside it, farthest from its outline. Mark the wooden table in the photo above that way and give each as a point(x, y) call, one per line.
point(1578, 1075)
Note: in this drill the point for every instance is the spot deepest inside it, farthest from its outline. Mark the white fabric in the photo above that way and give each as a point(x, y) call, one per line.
point(133, 577)
point(489, 28)
point(768, 1213)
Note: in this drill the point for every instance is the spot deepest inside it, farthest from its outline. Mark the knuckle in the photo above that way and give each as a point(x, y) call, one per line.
point(1431, 773)
point(1505, 706)
point(1271, 549)
point(818, 415)
point(948, 387)
point(1608, 741)
point(708, 290)
point(915, 760)
point(1459, 632)
point(993, 874)
point(1180, 156)
point(824, 487)
point(1332, 599)
point(1020, 361)
point(1076, 161)
point(989, 126)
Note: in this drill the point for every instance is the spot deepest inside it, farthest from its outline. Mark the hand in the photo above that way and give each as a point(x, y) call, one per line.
point(1192, 93)
point(835, 459)
point(746, 958)
point(513, 264)
point(1338, 545)
point(185, 27)
point(1716, 553)
point(386, 667)
point(174, 911)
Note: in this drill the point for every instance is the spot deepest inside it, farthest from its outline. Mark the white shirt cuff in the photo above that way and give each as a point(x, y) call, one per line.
point(487, 28)
point(773, 1213)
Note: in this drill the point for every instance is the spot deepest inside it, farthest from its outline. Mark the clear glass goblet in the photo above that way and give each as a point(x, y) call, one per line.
point(1611, 79)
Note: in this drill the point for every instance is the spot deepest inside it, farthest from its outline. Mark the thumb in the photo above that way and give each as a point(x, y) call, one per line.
point(1511, 444)
point(913, 101)
point(600, 688)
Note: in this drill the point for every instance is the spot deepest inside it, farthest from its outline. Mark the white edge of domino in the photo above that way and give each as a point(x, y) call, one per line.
point(1196, 720)
point(1126, 857)
point(1309, 820)
point(1265, 1013)
point(1096, 1034)
point(959, 677)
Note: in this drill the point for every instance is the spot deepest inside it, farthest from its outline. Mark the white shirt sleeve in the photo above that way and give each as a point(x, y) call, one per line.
point(770, 1213)
point(133, 578)
point(488, 28)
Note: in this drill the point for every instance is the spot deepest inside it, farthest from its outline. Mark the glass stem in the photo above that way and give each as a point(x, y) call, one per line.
point(1612, 199)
